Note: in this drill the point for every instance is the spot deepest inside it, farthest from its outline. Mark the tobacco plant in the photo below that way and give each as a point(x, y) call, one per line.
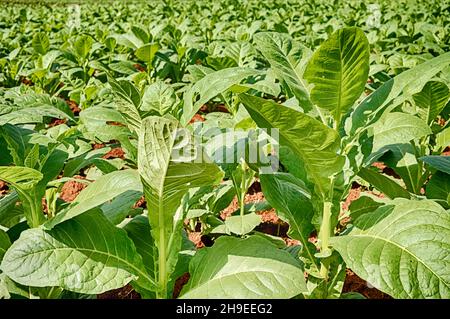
point(365, 110)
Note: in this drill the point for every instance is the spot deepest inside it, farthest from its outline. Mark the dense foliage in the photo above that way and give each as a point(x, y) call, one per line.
point(134, 104)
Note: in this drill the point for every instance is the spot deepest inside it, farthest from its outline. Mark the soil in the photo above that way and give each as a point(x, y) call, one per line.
point(141, 203)
point(126, 292)
point(115, 153)
point(179, 283)
point(355, 284)
point(3, 188)
point(113, 123)
point(196, 238)
point(56, 122)
point(139, 67)
point(385, 169)
point(26, 81)
point(446, 152)
point(71, 189)
point(74, 107)
point(97, 146)
point(197, 118)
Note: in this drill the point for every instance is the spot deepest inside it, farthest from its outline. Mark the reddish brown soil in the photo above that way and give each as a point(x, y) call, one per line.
point(385, 169)
point(115, 153)
point(71, 189)
point(197, 118)
point(355, 284)
point(139, 67)
point(97, 146)
point(113, 123)
point(440, 121)
point(446, 152)
point(179, 283)
point(126, 292)
point(140, 203)
point(3, 188)
point(56, 122)
point(74, 107)
point(196, 238)
point(26, 81)
point(271, 223)
point(222, 108)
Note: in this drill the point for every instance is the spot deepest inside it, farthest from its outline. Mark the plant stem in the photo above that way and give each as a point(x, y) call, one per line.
point(325, 232)
point(162, 277)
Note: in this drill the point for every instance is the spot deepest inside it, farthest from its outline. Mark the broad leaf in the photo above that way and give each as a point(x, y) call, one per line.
point(244, 268)
point(339, 70)
point(86, 254)
point(211, 85)
point(383, 183)
point(394, 92)
point(290, 197)
point(431, 100)
point(102, 190)
point(441, 163)
point(147, 52)
point(403, 251)
point(241, 225)
point(365, 204)
point(170, 164)
point(438, 188)
point(396, 128)
point(287, 59)
point(40, 43)
point(159, 98)
point(315, 143)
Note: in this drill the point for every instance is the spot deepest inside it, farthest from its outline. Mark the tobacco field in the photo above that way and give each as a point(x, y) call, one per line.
point(225, 149)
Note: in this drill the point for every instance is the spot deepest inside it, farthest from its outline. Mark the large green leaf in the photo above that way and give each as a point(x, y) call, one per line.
point(397, 128)
point(287, 59)
point(24, 181)
point(242, 225)
point(443, 139)
point(431, 100)
point(339, 70)
point(244, 268)
point(394, 92)
point(10, 211)
point(315, 143)
point(4, 243)
point(147, 52)
point(40, 43)
point(290, 197)
point(402, 159)
point(159, 98)
point(138, 229)
point(403, 251)
point(441, 163)
point(167, 174)
point(104, 189)
point(86, 254)
point(438, 188)
point(383, 183)
point(211, 85)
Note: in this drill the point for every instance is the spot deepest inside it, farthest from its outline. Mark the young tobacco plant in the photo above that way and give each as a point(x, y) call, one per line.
point(399, 247)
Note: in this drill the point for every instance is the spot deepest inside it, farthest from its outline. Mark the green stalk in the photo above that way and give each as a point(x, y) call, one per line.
point(162, 274)
point(325, 236)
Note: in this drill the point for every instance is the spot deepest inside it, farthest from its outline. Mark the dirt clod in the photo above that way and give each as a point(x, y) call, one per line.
point(115, 153)
point(71, 189)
